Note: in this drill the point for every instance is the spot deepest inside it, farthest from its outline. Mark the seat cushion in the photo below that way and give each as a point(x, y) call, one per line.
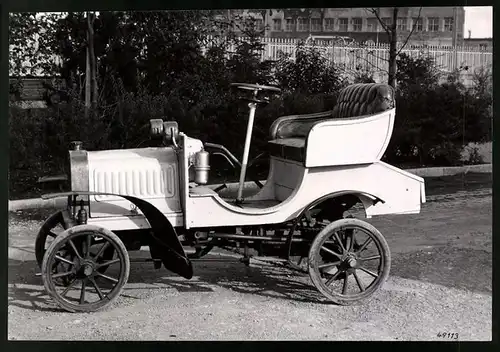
point(288, 148)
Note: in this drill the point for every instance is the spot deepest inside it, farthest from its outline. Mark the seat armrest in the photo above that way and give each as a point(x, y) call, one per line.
point(293, 126)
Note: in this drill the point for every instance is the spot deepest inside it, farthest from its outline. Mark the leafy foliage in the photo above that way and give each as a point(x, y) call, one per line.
point(31, 43)
point(309, 73)
point(420, 71)
point(434, 120)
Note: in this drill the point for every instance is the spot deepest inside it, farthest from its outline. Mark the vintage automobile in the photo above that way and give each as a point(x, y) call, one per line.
point(321, 166)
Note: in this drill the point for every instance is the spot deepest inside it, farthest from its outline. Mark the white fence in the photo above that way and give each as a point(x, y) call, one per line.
point(374, 57)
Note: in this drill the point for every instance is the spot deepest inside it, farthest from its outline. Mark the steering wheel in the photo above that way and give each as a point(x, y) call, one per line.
point(256, 88)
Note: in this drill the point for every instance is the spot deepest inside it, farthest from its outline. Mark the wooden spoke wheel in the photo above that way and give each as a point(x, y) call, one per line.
point(50, 229)
point(72, 273)
point(349, 260)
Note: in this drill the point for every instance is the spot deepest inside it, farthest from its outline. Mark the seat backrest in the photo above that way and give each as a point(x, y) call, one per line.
point(364, 99)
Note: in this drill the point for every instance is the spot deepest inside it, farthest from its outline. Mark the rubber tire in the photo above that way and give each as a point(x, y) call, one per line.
point(50, 288)
point(314, 252)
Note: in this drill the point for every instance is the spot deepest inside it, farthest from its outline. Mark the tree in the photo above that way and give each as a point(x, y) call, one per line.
point(392, 33)
point(30, 44)
point(92, 59)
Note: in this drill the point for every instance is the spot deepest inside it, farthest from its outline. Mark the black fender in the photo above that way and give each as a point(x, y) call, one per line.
point(350, 197)
point(166, 244)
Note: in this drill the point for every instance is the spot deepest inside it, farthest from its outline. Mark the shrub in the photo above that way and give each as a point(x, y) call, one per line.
point(309, 73)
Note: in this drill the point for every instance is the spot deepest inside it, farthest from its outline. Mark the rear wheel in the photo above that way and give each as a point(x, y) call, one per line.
point(349, 260)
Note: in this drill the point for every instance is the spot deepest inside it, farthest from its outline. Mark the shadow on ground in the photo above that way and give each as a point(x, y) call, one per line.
point(26, 290)
point(447, 266)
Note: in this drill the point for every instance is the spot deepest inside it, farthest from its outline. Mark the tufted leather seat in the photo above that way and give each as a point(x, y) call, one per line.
point(289, 133)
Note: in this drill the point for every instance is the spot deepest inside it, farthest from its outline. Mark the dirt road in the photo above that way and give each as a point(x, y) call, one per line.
point(440, 283)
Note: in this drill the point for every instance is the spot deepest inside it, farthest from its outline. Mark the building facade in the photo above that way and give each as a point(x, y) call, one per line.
point(443, 26)
point(484, 44)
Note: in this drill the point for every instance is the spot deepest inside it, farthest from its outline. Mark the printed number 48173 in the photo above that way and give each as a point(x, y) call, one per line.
point(448, 335)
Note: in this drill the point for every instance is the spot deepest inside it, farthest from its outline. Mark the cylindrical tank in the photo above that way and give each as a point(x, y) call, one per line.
point(201, 167)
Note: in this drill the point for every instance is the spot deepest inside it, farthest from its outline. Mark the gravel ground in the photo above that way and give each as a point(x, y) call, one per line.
point(440, 282)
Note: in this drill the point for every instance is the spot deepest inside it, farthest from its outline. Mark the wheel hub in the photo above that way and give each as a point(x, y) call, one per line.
point(87, 269)
point(349, 261)
point(352, 262)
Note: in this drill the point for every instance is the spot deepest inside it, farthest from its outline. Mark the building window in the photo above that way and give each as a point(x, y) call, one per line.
point(401, 24)
point(259, 24)
point(277, 24)
point(290, 25)
point(448, 24)
point(315, 24)
point(303, 25)
point(343, 24)
point(329, 24)
point(418, 23)
point(433, 24)
point(483, 46)
point(387, 21)
point(357, 24)
point(372, 24)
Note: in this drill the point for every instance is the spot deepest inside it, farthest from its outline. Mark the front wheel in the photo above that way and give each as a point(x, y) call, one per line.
point(349, 260)
point(79, 284)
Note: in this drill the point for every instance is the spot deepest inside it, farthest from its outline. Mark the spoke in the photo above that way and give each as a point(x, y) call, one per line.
point(340, 242)
point(108, 263)
point(68, 287)
point(352, 236)
point(74, 249)
point(332, 279)
point(101, 250)
point(368, 272)
point(62, 274)
point(370, 258)
point(329, 265)
point(363, 247)
point(331, 252)
point(52, 234)
point(64, 260)
point(82, 292)
point(98, 290)
point(89, 241)
point(300, 261)
point(348, 242)
point(359, 282)
point(106, 277)
point(344, 287)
